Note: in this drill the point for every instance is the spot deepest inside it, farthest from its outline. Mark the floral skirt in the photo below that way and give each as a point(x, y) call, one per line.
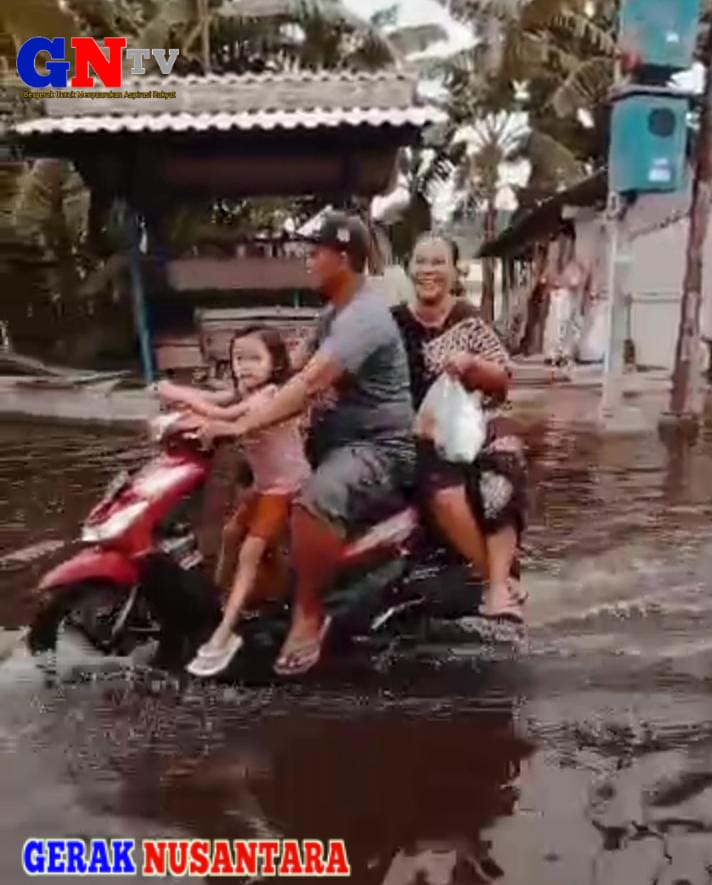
point(496, 483)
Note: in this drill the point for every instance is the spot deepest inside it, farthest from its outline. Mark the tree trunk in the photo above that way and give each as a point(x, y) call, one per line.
point(204, 20)
point(488, 264)
point(687, 355)
point(71, 344)
point(507, 287)
point(536, 308)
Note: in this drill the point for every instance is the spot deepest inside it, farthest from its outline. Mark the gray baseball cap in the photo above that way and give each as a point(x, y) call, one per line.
point(343, 233)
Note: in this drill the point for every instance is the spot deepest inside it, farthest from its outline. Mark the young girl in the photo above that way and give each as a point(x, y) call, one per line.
point(260, 363)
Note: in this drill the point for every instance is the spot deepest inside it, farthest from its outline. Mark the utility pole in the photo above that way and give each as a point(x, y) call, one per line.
point(619, 259)
point(685, 398)
point(647, 154)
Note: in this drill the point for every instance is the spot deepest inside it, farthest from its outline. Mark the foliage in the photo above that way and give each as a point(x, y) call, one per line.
point(212, 36)
point(19, 20)
point(558, 55)
point(423, 170)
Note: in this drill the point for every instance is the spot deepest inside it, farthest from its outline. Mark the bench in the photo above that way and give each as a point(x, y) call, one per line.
point(217, 326)
point(207, 349)
point(178, 355)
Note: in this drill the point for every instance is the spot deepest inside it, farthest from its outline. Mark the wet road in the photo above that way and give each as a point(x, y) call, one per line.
point(588, 762)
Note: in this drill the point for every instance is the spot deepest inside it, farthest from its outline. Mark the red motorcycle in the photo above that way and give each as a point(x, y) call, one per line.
point(141, 576)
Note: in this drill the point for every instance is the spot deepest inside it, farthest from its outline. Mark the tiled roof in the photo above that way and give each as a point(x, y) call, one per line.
point(223, 122)
point(270, 101)
point(286, 8)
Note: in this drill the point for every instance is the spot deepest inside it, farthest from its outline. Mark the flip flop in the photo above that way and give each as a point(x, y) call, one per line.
point(494, 630)
point(510, 615)
point(504, 617)
point(210, 662)
point(519, 597)
point(303, 656)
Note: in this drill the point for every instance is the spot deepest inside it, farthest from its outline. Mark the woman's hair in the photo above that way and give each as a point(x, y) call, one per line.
point(274, 342)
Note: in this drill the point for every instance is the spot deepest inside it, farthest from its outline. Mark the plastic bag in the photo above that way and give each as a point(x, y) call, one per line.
point(453, 419)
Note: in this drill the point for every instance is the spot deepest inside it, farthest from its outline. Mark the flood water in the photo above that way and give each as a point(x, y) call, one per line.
point(588, 761)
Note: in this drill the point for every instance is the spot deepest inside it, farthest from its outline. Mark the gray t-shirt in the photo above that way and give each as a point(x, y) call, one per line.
point(373, 397)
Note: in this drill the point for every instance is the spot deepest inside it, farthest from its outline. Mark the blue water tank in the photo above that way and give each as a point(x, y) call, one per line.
point(660, 33)
point(648, 141)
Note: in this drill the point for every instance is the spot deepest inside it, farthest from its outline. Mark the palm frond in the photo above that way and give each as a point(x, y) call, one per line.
point(170, 14)
point(475, 10)
point(373, 52)
point(52, 202)
point(557, 58)
point(542, 13)
point(428, 68)
point(416, 38)
point(22, 19)
point(100, 18)
point(583, 29)
point(385, 18)
point(585, 88)
point(551, 160)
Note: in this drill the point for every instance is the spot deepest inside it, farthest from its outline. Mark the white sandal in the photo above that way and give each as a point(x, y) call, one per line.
point(209, 661)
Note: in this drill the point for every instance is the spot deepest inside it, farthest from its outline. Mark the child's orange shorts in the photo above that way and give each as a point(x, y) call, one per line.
point(264, 516)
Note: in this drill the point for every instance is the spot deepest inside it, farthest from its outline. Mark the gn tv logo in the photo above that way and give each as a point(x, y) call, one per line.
point(107, 68)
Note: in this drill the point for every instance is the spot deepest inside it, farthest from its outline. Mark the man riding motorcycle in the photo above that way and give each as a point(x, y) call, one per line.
point(357, 382)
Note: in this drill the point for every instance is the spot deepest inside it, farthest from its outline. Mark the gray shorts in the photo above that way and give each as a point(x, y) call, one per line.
point(355, 485)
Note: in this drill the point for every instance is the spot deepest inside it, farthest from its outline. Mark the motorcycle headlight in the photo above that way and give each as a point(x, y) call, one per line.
point(115, 525)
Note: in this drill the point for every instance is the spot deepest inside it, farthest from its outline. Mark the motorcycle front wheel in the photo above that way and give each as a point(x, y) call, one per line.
point(113, 619)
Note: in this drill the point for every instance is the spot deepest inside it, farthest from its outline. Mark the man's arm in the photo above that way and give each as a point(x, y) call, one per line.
point(353, 336)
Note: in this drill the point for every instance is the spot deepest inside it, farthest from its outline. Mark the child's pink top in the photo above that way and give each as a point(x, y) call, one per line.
point(276, 455)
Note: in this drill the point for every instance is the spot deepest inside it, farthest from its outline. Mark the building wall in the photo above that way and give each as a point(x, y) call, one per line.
point(656, 283)
point(658, 271)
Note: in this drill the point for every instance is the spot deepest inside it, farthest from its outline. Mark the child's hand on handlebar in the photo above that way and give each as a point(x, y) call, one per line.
point(208, 432)
point(166, 391)
point(190, 421)
point(203, 429)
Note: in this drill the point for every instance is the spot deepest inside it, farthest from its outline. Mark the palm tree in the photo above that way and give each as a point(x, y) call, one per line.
point(562, 53)
point(493, 141)
point(422, 171)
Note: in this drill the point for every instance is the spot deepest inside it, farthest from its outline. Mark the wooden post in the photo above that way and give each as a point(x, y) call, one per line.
point(488, 264)
point(507, 265)
point(684, 400)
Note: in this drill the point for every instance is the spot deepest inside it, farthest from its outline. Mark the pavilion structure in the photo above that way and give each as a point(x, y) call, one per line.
point(167, 142)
